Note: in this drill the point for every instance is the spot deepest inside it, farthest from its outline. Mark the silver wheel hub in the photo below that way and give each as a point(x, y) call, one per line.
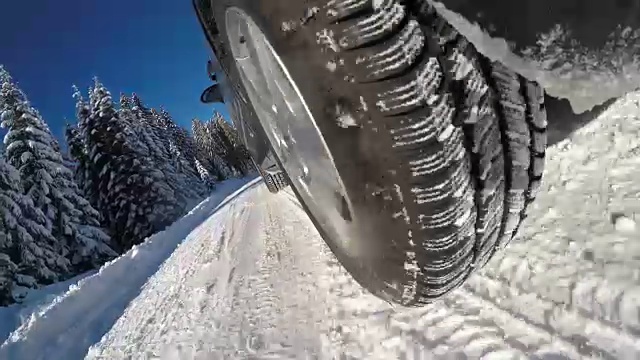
point(290, 126)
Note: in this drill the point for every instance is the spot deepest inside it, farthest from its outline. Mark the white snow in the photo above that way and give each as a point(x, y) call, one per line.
point(71, 323)
point(624, 224)
point(346, 120)
point(249, 277)
point(326, 37)
point(34, 302)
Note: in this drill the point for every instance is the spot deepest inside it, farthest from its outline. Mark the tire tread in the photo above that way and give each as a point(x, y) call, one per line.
point(470, 132)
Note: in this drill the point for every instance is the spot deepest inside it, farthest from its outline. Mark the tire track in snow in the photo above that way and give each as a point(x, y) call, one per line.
point(590, 336)
point(255, 326)
point(463, 324)
point(570, 254)
point(155, 322)
point(178, 279)
point(259, 326)
point(519, 313)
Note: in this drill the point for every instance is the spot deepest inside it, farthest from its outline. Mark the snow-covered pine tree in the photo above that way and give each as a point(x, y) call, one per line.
point(186, 184)
point(223, 145)
point(179, 146)
point(207, 151)
point(186, 143)
point(28, 254)
point(90, 246)
point(158, 142)
point(133, 129)
point(240, 157)
point(169, 128)
point(28, 148)
point(9, 258)
point(79, 223)
point(205, 176)
point(77, 153)
point(78, 148)
point(188, 147)
point(149, 129)
point(68, 160)
point(197, 129)
point(201, 151)
point(36, 154)
point(132, 195)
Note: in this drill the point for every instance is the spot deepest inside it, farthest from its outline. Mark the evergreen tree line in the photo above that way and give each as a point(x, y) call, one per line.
point(129, 172)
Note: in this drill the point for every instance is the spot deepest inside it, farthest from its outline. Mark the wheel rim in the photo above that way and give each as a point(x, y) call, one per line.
point(290, 127)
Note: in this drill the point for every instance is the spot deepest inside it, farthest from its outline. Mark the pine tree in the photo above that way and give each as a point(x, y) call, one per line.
point(9, 210)
point(209, 152)
point(221, 145)
point(28, 254)
point(180, 147)
point(77, 153)
point(239, 155)
point(36, 154)
point(201, 153)
point(205, 176)
point(131, 194)
point(133, 130)
point(30, 149)
point(90, 245)
point(150, 132)
point(68, 161)
point(186, 144)
point(158, 141)
point(78, 148)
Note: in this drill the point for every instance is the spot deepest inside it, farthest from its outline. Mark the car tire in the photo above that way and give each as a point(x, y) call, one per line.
point(444, 149)
point(275, 181)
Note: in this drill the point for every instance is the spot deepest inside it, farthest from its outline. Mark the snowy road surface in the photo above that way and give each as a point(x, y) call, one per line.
point(253, 280)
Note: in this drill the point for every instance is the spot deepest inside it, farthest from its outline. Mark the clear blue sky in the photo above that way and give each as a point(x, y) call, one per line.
point(152, 47)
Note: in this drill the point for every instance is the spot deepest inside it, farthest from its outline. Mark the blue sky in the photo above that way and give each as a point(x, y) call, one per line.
point(152, 47)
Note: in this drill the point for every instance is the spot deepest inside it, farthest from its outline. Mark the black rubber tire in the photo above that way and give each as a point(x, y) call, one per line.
point(447, 150)
point(275, 181)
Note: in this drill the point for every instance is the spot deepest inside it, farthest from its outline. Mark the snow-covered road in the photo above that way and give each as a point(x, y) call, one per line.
point(255, 281)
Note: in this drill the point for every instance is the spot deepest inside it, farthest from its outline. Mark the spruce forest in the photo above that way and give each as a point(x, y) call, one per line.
point(127, 171)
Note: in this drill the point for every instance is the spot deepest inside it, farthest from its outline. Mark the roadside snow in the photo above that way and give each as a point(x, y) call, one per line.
point(35, 302)
point(581, 248)
point(71, 323)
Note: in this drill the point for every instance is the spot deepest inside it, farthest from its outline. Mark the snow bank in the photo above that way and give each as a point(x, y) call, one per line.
point(36, 301)
point(55, 329)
